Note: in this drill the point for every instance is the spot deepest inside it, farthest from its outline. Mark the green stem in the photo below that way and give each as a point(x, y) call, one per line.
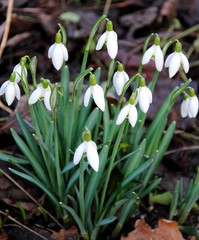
point(186, 32)
point(92, 34)
point(110, 74)
point(81, 190)
point(110, 167)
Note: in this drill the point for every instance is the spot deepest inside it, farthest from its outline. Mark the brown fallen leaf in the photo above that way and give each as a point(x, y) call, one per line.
point(3, 235)
point(166, 230)
point(63, 234)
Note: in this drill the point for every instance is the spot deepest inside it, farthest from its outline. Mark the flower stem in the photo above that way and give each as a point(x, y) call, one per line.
point(110, 74)
point(81, 190)
point(110, 167)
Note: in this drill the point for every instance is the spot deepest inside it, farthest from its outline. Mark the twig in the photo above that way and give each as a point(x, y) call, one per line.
point(182, 149)
point(30, 196)
point(7, 27)
point(22, 225)
point(5, 108)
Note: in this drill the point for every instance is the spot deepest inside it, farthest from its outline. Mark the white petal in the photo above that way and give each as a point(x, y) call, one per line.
point(148, 54)
point(3, 87)
point(149, 93)
point(57, 56)
point(185, 63)
point(133, 115)
point(17, 91)
point(123, 114)
point(112, 45)
point(92, 155)
point(167, 62)
point(115, 76)
point(98, 96)
point(79, 153)
point(144, 99)
point(50, 50)
point(126, 76)
point(47, 93)
point(17, 69)
point(159, 58)
point(10, 93)
point(87, 96)
point(174, 64)
point(65, 52)
point(184, 107)
point(193, 107)
point(119, 82)
point(36, 94)
point(101, 41)
point(137, 97)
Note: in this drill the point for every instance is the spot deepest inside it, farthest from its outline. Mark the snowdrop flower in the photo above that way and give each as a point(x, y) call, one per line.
point(43, 90)
point(96, 92)
point(175, 60)
point(128, 111)
point(19, 68)
point(154, 52)
point(144, 96)
point(11, 89)
point(110, 38)
point(88, 148)
point(119, 79)
point(189, 106)
point(58, 52)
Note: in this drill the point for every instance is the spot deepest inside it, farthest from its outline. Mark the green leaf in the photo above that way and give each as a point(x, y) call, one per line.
point(12, 159)
point(28, 136)
point(70, 17)
point(76, 218)
point(161, 151)
point(96, 178)
point(37, 183)
point(128, 179)
point(31, 158)
point(68, 167)
point(134, 161)
point(92, 119)
point(106, 221)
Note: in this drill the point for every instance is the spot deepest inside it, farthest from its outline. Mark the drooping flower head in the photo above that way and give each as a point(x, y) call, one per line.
point(87, 148)
point(43, 90)
point(156, 53)
point(129, 111)
point(110, 38)
point(20, 69)
point(96, 92)
point(144, 96)
point(119, 79)
point(189, 106)
point(58, 52)
point(176, 59)
point(11, 89)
